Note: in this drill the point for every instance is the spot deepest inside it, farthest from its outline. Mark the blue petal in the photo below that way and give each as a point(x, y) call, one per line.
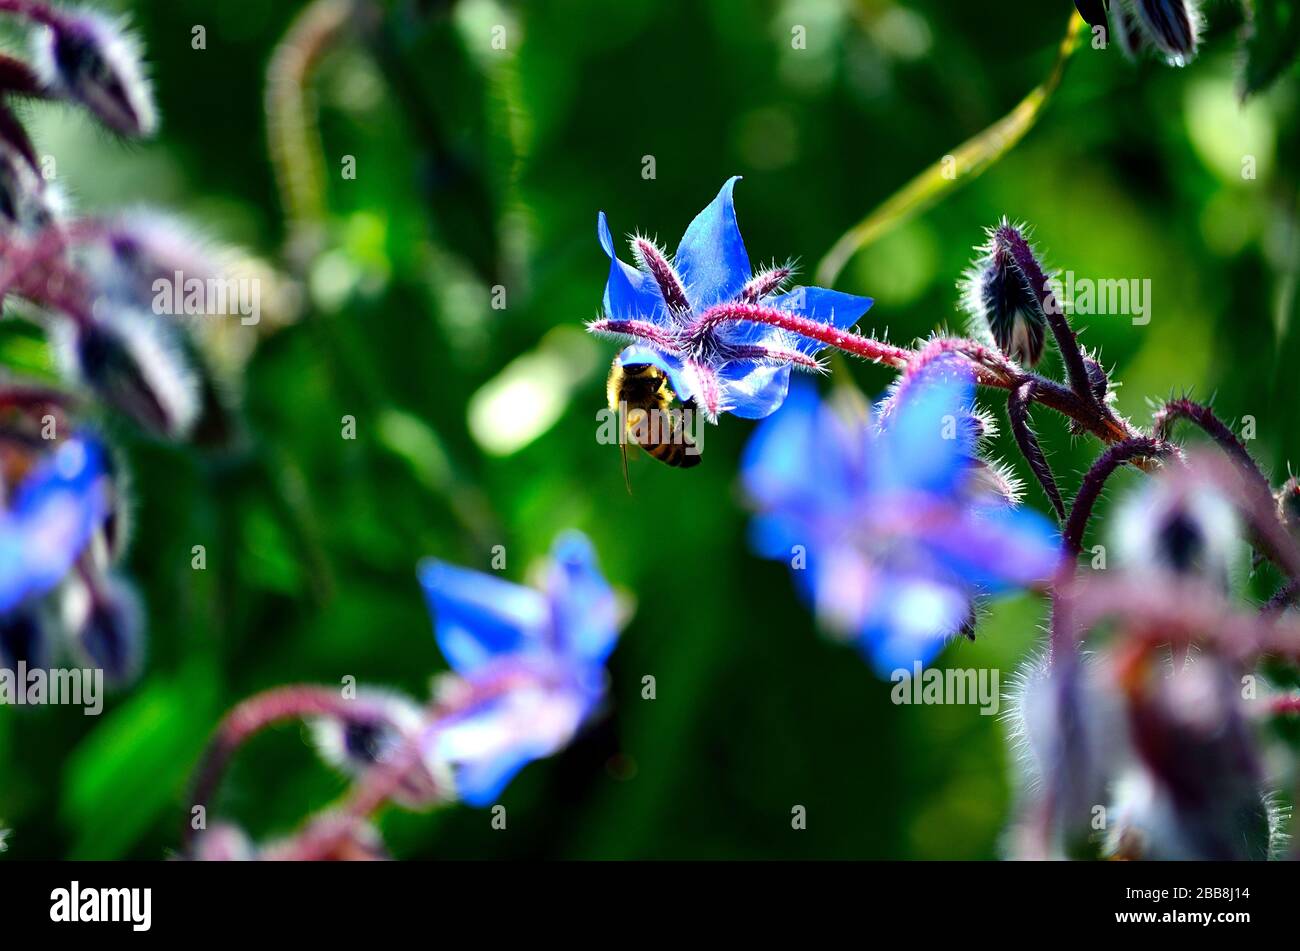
point(629, 292)
point(775, 535)
point(54, 513)
point(754, 390)
point(922, 447)
point(711, 257)
point(678, 378)
point(805, 458)
point(827, 306)
point(910, 621)
point(777, 460)
point(481, 783)
point(488, 743)
point(999, 549)
point(583, 606)
point(478, 617)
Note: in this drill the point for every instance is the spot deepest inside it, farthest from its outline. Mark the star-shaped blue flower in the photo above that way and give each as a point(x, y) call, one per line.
point(709, 322)
point(545, 650)
point(50, 518)
point(889, 530)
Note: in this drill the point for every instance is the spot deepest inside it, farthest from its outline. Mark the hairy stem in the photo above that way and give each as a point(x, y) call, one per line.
point(829, 334)
point(993, 370)
point(292, 136)
point(1282, 598)
point(251, 717)
point(1095, 480)
point(1204, 417)
point(1066, 341)
point(1018, 413)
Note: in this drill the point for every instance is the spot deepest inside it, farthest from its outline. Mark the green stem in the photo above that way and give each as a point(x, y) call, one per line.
point(965, 163)
point(293, 138)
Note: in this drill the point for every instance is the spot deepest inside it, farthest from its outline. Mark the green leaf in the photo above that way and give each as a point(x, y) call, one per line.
point(1272, 42)
point(136, 763)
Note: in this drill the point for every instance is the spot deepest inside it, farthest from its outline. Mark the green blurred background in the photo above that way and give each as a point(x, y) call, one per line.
point(478, 167)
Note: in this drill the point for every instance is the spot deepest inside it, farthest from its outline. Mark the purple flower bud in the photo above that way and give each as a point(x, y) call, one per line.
point(94, 61)
point(136, 248)
point(132, 363)
point(376, 730)
point(1180, 530)
point(1067, 729)
point(1127, 30)
point(1204, 798)
point(25, 206)
point(1172, 26)
point(1098, 378)
point(1004, 293)
point(107, 626)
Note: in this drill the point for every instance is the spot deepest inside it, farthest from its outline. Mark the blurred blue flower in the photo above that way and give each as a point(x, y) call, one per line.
point(890, 530)
point(50, 518)
point(686, 315)
point(547, 649)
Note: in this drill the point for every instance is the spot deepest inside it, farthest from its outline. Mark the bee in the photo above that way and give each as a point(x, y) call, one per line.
point(642, 392)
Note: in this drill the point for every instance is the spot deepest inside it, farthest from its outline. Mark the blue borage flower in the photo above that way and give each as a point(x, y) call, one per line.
point(682, 315)
point(898, 535)
point(547, 647)
point(51, 517)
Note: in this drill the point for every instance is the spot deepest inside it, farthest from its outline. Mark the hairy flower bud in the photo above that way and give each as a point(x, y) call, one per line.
point(1190, 531)
point(1004, 293)
point(1127, 30)
point(1201, 797)
point(107, 627)
point(94, 61)
point(1067, 729)
point(373, 732)
point(130, 361)
point(25, 206)
point(1172, 27)
point(1098, 380)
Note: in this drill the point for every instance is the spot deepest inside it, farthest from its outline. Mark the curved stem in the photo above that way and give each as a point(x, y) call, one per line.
point(1095, 480)
point(1060, 642)
point(323, 835)
point(1255, 498)
point(1204, 417)
point(292, 135)
point(965, 163)
point(251, 717)
point(1018, 413)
